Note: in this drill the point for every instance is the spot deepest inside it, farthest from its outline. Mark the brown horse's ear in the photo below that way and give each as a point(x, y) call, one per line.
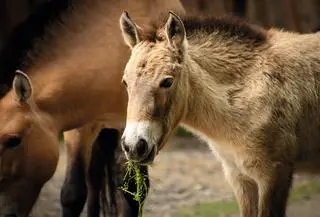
point(175, 31)
point(129, 30)
point(22, 86)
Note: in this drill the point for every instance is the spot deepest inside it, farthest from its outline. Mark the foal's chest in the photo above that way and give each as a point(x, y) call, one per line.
point(226, 153)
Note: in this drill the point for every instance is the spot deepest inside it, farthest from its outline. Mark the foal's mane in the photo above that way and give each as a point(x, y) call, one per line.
point(227, 25)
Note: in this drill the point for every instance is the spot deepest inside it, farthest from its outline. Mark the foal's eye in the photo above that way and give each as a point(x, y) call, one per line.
point(167, 82)
point(125, 83)
point(12, 142)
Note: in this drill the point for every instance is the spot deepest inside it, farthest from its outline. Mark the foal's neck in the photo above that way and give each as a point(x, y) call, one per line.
point(216, 67)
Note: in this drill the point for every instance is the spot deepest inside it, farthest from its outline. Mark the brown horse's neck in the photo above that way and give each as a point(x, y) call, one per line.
point(77, 66)
point(74, 97)
point(216, 69)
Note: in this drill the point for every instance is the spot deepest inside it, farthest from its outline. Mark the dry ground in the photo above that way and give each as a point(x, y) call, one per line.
point(185, 173)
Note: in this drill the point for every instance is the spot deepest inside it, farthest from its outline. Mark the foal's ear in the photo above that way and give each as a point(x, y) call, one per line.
point(129, 30)
point(22, 86)
point(175, 31)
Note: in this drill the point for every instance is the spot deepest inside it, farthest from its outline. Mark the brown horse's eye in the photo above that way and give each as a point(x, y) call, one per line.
point(12, 142)
point(166, 83)
point(125, 83)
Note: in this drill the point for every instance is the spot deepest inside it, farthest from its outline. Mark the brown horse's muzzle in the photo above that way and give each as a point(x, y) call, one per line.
point(18, 199)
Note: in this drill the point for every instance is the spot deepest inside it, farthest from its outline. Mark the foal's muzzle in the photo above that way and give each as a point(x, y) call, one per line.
point(139, 152)
point(140, 140)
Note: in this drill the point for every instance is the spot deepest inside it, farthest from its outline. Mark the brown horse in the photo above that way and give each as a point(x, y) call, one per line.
point(253, 94)
point(65, 75)
point(106, 164)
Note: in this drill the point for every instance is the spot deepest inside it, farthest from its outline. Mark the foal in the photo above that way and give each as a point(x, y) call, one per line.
point(252, 94)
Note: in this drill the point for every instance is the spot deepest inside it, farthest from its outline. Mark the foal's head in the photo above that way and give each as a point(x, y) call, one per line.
point(156, 85)
point(28, 149)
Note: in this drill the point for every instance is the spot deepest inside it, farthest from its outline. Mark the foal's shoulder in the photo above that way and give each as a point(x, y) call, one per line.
point(293, 43)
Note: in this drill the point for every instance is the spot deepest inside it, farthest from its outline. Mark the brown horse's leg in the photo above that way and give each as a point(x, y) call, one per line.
point(274, 181)
point(74, 189)
point(100, 176)
point(245, 190)
point(94, 181)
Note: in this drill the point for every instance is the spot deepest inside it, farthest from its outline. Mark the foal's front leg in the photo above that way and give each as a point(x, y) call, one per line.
point(245, 190)
point(274, 181)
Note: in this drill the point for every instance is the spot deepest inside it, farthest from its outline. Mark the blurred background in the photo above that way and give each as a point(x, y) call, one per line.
point(186, 179)
point(297, 15)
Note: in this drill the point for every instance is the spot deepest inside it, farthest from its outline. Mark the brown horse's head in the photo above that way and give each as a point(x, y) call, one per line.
point(156, 85)
point(28, 149)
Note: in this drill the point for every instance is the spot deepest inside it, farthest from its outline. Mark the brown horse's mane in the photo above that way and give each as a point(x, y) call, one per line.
point(22, 38)
point(35, 38)
point(227, 25)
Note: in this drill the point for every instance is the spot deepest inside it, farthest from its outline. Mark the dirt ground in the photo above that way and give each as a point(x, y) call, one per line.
point(185, 173)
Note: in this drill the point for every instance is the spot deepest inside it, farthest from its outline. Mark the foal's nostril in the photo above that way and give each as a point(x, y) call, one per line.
point(142, 147)
point(126, 147)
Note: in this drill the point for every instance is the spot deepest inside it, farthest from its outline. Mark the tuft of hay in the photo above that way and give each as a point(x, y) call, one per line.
point(134, 172)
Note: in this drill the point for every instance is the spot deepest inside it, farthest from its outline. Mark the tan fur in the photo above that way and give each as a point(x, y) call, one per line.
point(257, 105)
point(73, 70)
